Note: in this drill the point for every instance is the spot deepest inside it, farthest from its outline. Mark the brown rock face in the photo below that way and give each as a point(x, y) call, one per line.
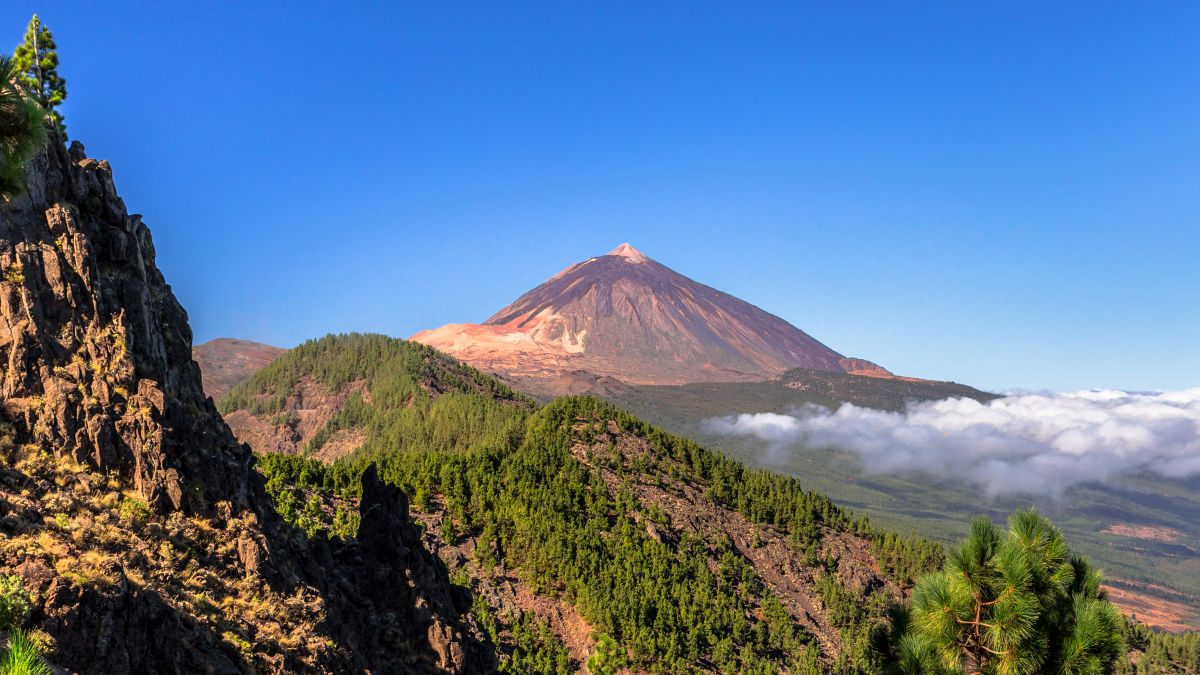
point(225, 361)
point(99, 397)
point(626, 316)
point(96, 350)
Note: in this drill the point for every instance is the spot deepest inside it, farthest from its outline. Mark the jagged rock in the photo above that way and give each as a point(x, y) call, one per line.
point(126, 629)
point(85, 297)
point(448, 647)
point(250, 553)
point(391, 545)
point(384, 511)
point(97, 370)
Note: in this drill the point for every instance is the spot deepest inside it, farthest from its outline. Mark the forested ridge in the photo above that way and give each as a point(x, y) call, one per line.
point(1154, 652)
point(527, 486)
point(678, 558)
point(398, 371)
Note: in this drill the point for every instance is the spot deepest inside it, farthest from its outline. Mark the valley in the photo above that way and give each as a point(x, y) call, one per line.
point(1149, 565)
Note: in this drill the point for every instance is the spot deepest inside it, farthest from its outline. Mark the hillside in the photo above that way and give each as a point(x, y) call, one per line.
point(225, 361)
point(683, 406)
point(624, 471)
point(320, 398)
point(131, 521)
point(625, 316)
point(574, 523)
point(575, 519)
point(539, 539)
point(1142, 530)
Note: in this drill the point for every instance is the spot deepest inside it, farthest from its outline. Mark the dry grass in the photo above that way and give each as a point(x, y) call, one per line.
point(95, 538)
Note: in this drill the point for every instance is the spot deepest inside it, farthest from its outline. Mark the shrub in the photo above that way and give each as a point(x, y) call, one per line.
point(133, 511)
point(8, 437)
point(608, 657)
point(14, 604)
point(22, 130)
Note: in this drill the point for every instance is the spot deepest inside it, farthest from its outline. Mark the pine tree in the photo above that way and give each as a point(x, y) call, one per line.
point(22, 130)
point(608, 657)
point(1012, 603)
point(37, 63)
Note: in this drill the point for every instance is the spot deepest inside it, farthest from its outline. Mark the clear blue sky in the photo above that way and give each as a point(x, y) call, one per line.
point(1007, 196)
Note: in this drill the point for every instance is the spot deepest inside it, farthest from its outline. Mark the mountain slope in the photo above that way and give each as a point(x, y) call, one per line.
point(317, 398)
point(129, 513)
point(574, 519)
point(1139, 529)
point(681, 408)
point(225, 361)
point(626, 316)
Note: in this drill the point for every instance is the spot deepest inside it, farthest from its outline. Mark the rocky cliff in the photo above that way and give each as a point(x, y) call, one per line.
point(134, 517)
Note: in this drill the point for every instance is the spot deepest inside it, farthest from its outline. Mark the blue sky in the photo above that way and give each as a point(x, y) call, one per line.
point(1005, 196)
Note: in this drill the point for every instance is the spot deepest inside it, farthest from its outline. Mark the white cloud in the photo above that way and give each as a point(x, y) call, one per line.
point(1027, 443)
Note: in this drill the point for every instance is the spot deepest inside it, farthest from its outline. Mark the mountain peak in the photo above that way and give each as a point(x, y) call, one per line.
point(641, 323)
point(630, 254)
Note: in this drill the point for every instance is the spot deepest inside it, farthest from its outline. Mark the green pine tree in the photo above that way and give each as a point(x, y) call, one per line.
point(608, 658)
point(1012, 603)
point(37, 63)
point(22, 130)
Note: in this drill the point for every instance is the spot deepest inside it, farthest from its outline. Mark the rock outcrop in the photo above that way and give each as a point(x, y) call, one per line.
point(96, 350)
point(101, 406)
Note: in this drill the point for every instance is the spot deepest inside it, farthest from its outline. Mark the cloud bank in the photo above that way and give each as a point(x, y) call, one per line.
point(1033, 444)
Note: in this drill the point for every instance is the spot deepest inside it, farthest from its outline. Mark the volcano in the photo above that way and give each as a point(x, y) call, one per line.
point(626, 316)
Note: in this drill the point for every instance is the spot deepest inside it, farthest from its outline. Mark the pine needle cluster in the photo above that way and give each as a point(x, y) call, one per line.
point(20, 656)
point(22, 129)
point(1011, 603)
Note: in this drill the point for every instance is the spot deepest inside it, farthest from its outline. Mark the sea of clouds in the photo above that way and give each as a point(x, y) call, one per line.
point(1036, 444)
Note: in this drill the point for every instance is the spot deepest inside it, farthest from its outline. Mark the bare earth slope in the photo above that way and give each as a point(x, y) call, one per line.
point(225, 361)
point(625, 316)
